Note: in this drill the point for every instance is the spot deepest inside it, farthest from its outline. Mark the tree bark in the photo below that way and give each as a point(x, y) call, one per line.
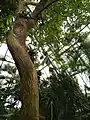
point(28, 76)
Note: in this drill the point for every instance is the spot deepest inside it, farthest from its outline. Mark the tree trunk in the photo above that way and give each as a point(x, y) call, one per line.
point(28, 76)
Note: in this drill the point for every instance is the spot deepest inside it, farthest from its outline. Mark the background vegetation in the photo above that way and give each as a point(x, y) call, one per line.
point(62, 61)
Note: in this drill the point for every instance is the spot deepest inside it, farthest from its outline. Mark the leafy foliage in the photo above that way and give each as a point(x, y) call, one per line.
point(59, 39)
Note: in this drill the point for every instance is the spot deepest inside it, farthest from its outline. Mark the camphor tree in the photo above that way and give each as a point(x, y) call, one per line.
point(16, 43)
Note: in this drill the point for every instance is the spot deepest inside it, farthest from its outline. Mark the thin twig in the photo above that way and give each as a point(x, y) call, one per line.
point(3, 58)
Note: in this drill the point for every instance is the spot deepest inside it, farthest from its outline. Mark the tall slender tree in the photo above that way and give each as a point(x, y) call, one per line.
point(16, 43)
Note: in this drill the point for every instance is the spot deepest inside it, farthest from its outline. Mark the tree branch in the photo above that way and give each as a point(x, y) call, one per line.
point(49, 4)
point(42, 5)
point(20, 6)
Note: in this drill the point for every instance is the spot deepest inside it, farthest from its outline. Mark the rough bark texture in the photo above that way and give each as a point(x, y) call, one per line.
point(28, 76)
